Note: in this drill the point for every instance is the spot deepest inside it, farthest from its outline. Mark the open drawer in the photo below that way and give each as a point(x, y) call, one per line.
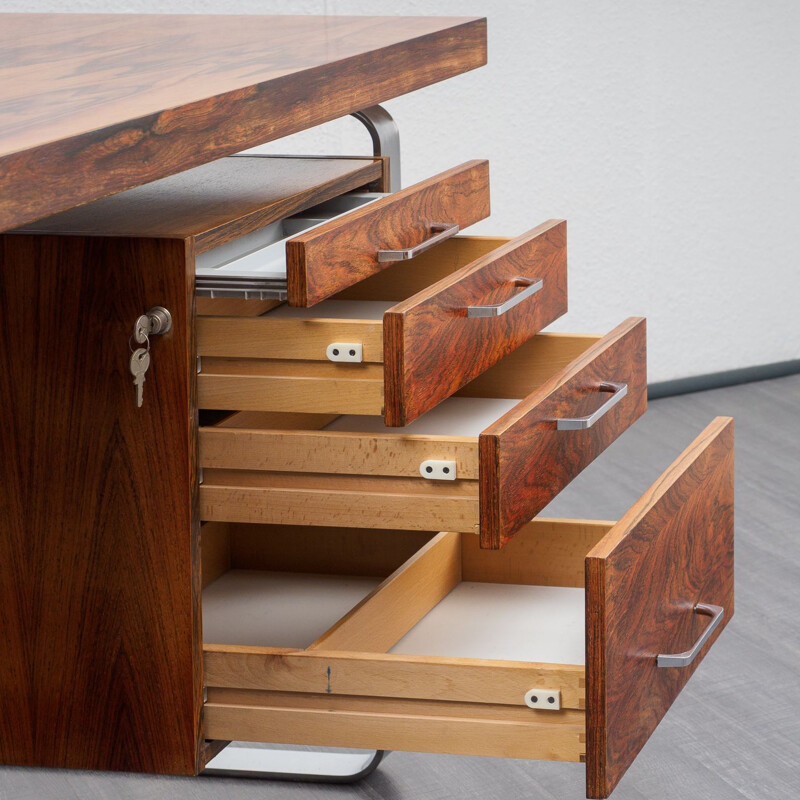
point(569, 644)
point(397, 343)
point(483, 461)
point(344, 241)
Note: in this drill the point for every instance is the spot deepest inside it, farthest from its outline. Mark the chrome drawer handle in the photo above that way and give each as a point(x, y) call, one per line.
point(446, 230)
point(684, 659)
point(618, 391)
point(532, 286)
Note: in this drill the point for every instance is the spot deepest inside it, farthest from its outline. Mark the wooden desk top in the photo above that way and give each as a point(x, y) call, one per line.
point(91, 104)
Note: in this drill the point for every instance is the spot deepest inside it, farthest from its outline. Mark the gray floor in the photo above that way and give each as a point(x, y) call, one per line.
point(733, 733)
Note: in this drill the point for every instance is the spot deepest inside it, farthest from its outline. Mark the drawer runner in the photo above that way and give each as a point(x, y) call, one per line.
point(253, 267)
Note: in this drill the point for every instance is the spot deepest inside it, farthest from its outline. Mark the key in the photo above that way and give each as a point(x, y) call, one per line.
point(140, 362)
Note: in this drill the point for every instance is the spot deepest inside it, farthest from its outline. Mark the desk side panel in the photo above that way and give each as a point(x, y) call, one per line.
point(101, 666)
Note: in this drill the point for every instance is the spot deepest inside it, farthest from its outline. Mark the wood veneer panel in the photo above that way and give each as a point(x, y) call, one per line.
point(388, 675)
point(339, 253)
point(327, 551)
point(217, 202)
point(94, 104)
point(332, 452)
point(418, 727)
point(281, 420)
point(391, 505)
point(215, 547)
point(101, 665)
point(306, 339)
point(530, 365)
point(518, 712)
point(673, 549)
point(525, 461)
point(406, 278)
point(389, 612)
point(418, 376)
point(545, 552)
point(337, 392)
point(232, 306)
point(210, 749)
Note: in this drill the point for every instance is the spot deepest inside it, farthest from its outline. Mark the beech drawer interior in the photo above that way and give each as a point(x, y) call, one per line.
point(484, 461)
point(462, 650)
point(395, 344)
point(290, 585)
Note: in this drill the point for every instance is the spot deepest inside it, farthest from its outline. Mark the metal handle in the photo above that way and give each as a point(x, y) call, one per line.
point(618, 390)
point(446, 230)
point(684, 659)
point(533, 285)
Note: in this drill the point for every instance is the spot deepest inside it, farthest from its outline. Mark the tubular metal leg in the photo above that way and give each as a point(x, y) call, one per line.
point(385, 139)
point(241, 760)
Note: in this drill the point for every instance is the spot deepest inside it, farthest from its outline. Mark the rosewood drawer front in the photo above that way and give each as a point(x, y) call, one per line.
point(333, 256)
point(417, 332)
point(483, 461)
point(616, 618)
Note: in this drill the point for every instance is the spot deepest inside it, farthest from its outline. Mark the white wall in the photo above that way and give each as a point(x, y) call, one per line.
point(665, 132)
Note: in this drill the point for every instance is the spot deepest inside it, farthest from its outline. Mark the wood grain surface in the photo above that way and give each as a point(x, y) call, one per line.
point(530, 365)
point(326, 551)
point(215, 551)
point(673, 549)
point(101, 665)
point(277, 498)
point(422, 677)
point(339, 253)
point(416, 726)
point(402, 280)
point(394, 607)
point(217, 202)
point(245, 698)
point(302, 339)
point(431, 347)
point(545, 552)
point(718, 742)
point(94, 104)
point(525, 461)
point(333, 452)
point(333, 391)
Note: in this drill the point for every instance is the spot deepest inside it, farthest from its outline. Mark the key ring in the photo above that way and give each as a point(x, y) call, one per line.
point(139, 331)
point(134, 349)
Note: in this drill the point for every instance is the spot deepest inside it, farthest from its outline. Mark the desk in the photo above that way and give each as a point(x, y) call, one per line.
point(102, 662)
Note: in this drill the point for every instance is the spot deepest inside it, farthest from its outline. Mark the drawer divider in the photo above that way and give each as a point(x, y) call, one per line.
point(384, 616)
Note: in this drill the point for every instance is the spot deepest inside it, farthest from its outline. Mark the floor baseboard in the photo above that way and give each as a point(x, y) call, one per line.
point(717, 380)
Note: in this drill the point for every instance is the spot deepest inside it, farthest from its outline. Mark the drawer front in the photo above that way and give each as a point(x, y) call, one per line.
point(671, 551)
point(526, 460)
point(338, 254)
point(441, 338)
